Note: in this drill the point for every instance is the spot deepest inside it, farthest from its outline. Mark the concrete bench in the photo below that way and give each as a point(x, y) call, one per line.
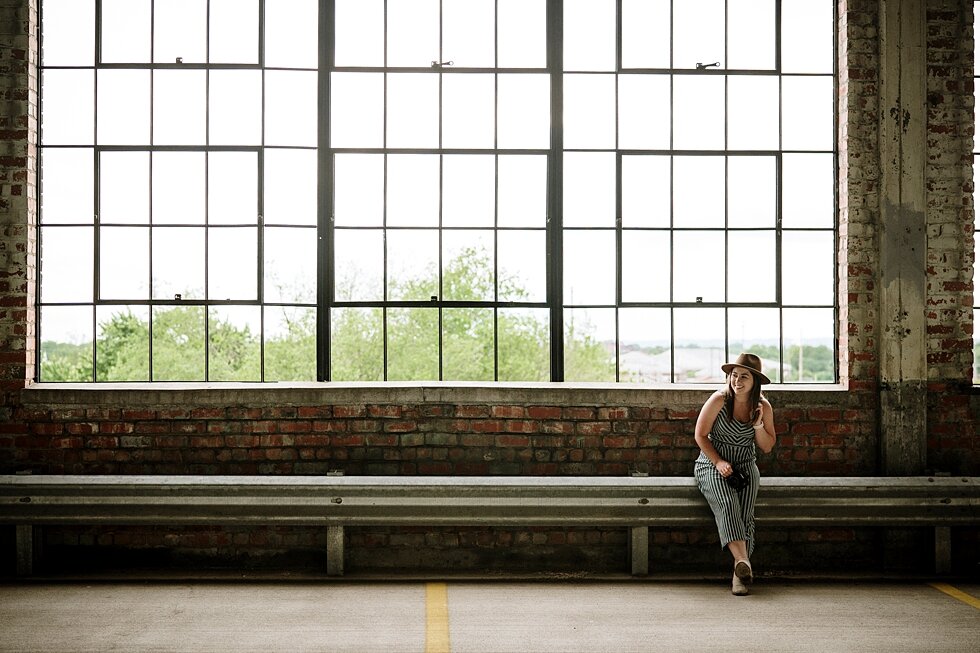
point(334, 502)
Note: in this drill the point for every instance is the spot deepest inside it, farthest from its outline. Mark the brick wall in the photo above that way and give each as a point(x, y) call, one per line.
point(503, 429)
point(437, 429)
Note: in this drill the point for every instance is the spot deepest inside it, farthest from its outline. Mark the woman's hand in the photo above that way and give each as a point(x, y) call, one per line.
point(724, 468)
point(758, 420)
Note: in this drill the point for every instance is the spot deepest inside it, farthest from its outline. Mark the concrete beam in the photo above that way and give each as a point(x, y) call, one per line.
point(902, 236)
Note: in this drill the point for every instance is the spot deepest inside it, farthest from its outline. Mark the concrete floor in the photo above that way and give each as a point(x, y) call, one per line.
point(486, 617)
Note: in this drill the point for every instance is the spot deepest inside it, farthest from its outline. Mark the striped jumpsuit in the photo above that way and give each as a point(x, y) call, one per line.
point(734, 511)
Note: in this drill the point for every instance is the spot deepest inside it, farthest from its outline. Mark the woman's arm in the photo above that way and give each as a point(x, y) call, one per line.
point(706, 419)
point(765, 431)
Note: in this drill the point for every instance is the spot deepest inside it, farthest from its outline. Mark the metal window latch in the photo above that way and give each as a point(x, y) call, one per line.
point(440, 64)
point(702, 66)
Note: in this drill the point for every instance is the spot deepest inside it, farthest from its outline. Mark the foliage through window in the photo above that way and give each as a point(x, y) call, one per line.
point(463, 190)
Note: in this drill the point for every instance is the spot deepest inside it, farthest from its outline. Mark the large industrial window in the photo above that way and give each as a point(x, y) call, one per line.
point(472, 190)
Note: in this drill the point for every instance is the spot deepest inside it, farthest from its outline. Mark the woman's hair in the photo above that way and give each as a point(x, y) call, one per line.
point(755, 396)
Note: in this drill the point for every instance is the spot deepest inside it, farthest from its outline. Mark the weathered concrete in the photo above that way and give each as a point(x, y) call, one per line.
point(780, 615)
point(902, 237)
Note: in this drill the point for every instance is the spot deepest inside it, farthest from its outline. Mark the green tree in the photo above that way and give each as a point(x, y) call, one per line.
point(66, 362)
point(357, 345)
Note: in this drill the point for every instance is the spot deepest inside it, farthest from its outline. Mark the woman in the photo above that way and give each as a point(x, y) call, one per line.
point(732, 423)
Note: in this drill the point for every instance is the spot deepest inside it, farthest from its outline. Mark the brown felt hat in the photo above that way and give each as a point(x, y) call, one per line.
point(750, 362)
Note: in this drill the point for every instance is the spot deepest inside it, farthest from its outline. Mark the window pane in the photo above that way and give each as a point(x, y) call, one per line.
point(693, 206)
point(359, 33)
point(359, 265)
point(699, 33)
point(290, 108)
point(67, 265)
point(233, 255)
point(235, 116)
point(589, 28)
point(234, 351)
point(413, 33)
point(467, 259)
point(357, 109)
point(413, 264)
point(752, 34)
point(178, 262)
point(290, 265)
point(290, 343)
point(122, 349)
point(808, 190)
point(234, 28)
point(69, 33)
point(467, 190)
point(699, 112)
point(413, 110)
point(523, 103)
point(589, 267)
point(67, 114)
point(126, 31)
point(589, 189)
point(233, 187)
point(646, 191)
point(413, 190)
point(180, 31)
point(290, 33)
point(521, 33)
point(66, 343)
point(753, 112)
point(124, 107)
point(751, 191)
point(356, 344)
point(124, 264)
point(467, 341)
point(752, 266)
point(590, 111)
point(644, 112)
point(808, 113)
point(179, 107)
point(646, 266)
point(178, 343)
point(467, 32)
point(358, 189)
point(756, 330)
point(522, 190)
point(808, 345)
point(523, 344)
point(590, 337)
point(644, 345)
point(808, 37)
point(521, 266)
point(699, 350)
point(646, 33)
point(290, 186)
point(124, 187)
point(183, 170)
point(67, 179)
point(413, 344)
point(808, 267)
point(699, 266)
point(467, 111)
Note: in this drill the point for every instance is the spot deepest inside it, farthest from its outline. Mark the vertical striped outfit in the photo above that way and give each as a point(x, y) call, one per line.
point(734, 511)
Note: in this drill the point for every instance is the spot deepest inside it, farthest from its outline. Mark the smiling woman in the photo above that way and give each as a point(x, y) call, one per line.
point(278, 169)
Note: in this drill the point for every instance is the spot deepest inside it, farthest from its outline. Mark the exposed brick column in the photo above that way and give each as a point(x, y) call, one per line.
point(18, 209)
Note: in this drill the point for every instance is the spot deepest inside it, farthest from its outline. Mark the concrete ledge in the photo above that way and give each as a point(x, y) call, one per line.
point(287, 394)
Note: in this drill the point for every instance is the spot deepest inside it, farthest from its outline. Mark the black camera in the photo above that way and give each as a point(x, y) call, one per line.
point(737, 479)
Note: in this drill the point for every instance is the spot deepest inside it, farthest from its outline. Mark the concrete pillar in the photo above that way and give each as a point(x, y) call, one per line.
point(902, 236)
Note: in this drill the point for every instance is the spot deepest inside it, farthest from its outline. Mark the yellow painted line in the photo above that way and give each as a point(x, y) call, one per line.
point(957, 594)
point(436, 618)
